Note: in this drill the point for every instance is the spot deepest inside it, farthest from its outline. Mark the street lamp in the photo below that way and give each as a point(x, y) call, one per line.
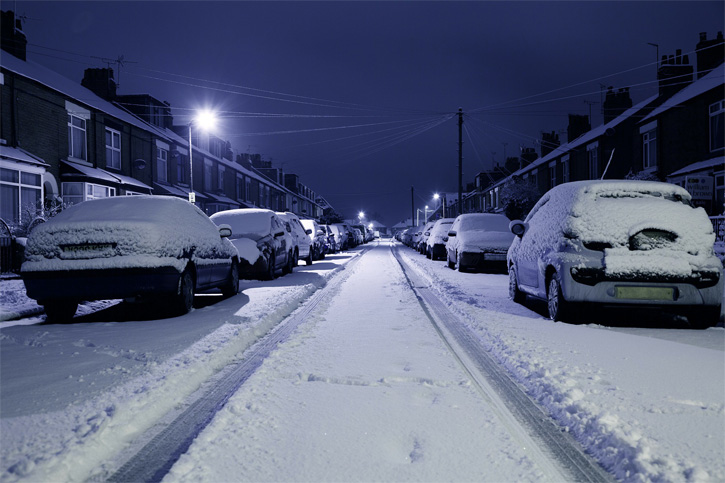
point(205, 120)
point(361, 216)
point(425, 214)
point(443, 197)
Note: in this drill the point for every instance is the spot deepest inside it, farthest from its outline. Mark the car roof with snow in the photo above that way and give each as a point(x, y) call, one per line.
point(246, 221)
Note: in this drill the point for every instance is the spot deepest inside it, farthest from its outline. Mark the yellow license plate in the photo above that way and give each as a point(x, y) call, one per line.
point(644, 293)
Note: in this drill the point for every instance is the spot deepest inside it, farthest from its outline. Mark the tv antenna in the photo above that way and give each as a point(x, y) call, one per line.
point(119, 61)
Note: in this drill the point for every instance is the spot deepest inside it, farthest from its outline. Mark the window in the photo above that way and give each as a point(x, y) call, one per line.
point(649, 149)
point(593, 161)
point(113, 148)
point(552, 174)
point(717, 126)
point(207, 175)
point(162, 157)
point(565, 169)
point(180, 169)
point(220, 178)
point(78, 192)
point(240, 187)
point(76, 137)
point(20, 194)
point(247, 190)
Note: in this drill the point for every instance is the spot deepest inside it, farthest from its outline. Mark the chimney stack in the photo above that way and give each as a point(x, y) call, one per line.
point(710, 53)
point(100, 82)
point(615, 103)
point(674, 73)
point(12, 38)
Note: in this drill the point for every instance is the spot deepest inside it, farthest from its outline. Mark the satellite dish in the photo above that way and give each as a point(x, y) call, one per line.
point(609, 132)
point(139, 164)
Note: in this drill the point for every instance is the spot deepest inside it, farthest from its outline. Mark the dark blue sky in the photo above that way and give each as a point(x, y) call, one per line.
point(323, 69)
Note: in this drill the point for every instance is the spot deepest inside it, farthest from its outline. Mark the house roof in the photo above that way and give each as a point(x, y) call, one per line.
point(715, 78)
point(587, 137)
point(73, 90)
point(700, 166)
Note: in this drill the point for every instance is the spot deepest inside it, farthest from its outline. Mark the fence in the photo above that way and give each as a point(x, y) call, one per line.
point(7, 247)
point(718, 224)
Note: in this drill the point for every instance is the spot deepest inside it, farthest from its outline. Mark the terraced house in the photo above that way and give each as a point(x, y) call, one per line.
point(63, 141)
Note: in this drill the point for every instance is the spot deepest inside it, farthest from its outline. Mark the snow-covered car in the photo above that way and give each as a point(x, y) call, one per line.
point(330, 241)
point(357, 234)
point(478, 240)
point(301, 237)
point(423, 240)
point(128, 247)
point(341, 236)
point(624, 244)
point(436, 243)
point(261, 239)
point(318, 238)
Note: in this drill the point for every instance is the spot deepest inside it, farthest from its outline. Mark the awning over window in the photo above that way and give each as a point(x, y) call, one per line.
point(82, 171)
point(21, 156)
point(129, 183)
point(222, 199)
point(77, 170)
point(173, 190)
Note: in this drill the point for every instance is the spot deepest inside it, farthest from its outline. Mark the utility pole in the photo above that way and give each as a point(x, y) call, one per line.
point(460, 160)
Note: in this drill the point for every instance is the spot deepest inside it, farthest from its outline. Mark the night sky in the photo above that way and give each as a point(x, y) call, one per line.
point(359, 98)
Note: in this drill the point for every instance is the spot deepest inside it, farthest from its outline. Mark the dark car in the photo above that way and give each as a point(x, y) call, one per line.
point(261, 239)
point(127, 247)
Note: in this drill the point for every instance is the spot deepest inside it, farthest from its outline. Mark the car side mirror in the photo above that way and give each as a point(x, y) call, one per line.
point(427, 233)
point(225, 231)
point(518, 228)
point(451, 233)
point(308, 231)
point(279, 234)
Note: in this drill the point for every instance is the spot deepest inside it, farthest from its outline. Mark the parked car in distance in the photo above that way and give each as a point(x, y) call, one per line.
point(330, 241)
point(145, 247)
point(478, 241)
point(261, 239)
point(422, 242)
point(301, 236)
point(317, 238)
point(436, 243)
point(342, 236)
point(622, 244)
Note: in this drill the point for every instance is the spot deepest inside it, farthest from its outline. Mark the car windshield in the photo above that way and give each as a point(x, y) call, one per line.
point(256, 223)
point(484, 223)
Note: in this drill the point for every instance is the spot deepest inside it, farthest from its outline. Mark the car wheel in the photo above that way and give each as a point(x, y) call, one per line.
point(269, 274)
point(231, 287)
point(183, 300)
point(60, 311)
point(514, 293)
point(559, 309)
point(308, 260)
point(451, 265)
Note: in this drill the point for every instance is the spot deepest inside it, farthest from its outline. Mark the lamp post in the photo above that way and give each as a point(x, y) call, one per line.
point(425, 214)
point(205, 120)
point(441, 197)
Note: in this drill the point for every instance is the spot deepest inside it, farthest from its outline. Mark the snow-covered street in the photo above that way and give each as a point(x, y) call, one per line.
point(365, 387)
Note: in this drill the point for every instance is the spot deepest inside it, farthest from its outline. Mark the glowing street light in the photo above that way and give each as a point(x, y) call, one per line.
point(206, 121)
point(361, 215)
point(425, 214)
point(437, 196)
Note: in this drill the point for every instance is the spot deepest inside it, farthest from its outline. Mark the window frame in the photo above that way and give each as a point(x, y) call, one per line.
point(716, 112)
point(113, 149)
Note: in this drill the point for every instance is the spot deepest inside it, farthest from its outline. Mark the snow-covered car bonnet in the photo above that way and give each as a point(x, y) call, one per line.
point(156, 226)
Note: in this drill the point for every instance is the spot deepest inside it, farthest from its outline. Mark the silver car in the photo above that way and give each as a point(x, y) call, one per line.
point(625, 244)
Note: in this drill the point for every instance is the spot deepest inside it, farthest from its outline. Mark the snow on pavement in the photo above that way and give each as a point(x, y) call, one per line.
point(649, 404)
point(74, 395)
point(364, 391)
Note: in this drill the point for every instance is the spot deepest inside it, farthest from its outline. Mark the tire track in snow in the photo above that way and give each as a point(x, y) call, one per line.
point(162, 450)
point(523, 417)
